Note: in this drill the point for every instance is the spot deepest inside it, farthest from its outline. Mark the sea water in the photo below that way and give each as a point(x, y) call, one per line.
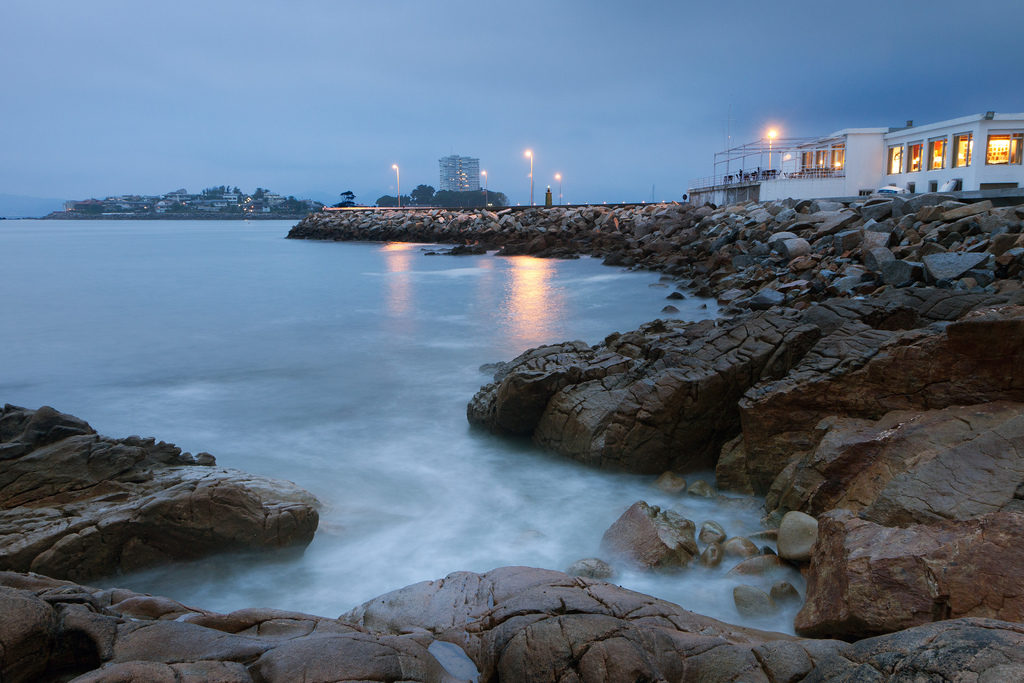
point(345, 368)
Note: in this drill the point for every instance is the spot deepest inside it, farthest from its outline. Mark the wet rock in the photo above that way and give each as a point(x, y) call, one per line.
point(784, 593)
point(866, 579)
point(701, 489)
point(797, 534)
point(592, 568)
point(651, 538)
point(669, 309)
point(670, 482)
point(711, 532)
point(752, 602)
point(711, 556)
point(75, 504)
point(739, 546)
point(759, 565)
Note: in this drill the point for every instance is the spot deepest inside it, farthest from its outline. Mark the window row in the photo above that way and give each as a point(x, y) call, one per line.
point(831, 158)
point(1002, 148)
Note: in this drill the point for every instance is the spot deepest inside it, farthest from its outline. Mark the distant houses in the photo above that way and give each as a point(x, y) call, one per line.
point(220, 202)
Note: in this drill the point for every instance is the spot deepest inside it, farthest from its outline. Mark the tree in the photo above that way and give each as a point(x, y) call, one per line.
point(469, 199)
point(389, 200)
point(423, 195)
point(348, 198)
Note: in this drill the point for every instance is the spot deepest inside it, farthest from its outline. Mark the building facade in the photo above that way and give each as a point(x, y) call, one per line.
point(459, 174)
point(858, 161)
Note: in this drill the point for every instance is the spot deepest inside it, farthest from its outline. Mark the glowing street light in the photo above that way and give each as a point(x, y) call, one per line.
point(772, 134)
point(558, 177)
point(398, 183)
point(529, 153)
point(484, 174)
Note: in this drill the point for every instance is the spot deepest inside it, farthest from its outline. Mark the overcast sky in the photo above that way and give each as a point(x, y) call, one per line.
point(313, 97)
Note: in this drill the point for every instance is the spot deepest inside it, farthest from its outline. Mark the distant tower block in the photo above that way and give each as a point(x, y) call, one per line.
point(459, 174)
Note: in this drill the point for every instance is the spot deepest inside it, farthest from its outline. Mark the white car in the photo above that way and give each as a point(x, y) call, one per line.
point(891, 189)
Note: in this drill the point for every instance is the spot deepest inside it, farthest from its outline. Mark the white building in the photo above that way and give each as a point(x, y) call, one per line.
point(459, 174)
point(858, 161)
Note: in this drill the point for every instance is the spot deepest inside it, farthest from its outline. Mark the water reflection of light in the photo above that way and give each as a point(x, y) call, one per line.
point(532, 305)
point(398, 257)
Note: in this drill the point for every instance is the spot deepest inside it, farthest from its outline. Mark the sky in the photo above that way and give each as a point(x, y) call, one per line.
point(627, 100)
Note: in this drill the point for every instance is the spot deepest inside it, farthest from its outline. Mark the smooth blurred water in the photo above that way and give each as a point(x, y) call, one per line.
point(346, 368)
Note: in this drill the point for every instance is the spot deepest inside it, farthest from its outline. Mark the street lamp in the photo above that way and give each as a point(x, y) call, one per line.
point(771, 138)
point(529, 153)
point(558, 177)
point(398, 183)
point(484, 174)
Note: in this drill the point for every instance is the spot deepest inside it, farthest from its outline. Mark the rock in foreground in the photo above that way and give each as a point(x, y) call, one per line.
point(510, 624)
point(77, 505)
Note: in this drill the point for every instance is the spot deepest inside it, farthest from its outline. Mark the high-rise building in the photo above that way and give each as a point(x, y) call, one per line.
point(459, 174)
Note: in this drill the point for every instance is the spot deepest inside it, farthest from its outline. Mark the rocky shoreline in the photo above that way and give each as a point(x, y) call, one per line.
point(866, 378)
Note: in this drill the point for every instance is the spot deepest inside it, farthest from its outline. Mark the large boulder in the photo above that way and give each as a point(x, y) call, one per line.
point(866, 579)
point(651, 538)
point(512, 623)
point(55, 630)
point(74, 504)
point(662, 397)
point(911, 466)
point(862, 372)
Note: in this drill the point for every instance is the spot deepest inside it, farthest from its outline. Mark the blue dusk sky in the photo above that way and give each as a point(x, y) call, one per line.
point(313, 97)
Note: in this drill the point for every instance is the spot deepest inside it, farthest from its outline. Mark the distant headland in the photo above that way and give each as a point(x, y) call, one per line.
point(223, 202)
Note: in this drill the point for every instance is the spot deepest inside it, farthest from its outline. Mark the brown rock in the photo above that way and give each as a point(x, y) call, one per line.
point(910, 466)
point(866, 579)
point(651, 538)
point(670, 482)
point(738, 546)
point(75, 504)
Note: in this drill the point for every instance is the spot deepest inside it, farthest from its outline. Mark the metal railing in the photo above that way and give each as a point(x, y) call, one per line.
point(744, 178)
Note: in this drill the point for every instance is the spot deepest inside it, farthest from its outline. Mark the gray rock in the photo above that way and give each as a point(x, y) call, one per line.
point(875, 258)
point(797, 534)
point(899, 272)
point(766, 298)
point(792, 248)
point(752, 602)
point(952, 265)
point(591, 567)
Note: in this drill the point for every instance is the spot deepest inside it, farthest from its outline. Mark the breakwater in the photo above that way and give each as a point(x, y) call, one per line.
point(750, 256)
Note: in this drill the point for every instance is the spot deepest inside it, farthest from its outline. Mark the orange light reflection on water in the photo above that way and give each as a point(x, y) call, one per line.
point(533, 307)
point(398, 256)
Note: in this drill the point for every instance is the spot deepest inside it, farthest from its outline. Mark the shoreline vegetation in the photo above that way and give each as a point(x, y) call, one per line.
point(864, 377)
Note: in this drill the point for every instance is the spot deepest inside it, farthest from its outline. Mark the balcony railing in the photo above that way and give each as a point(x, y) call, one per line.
point(743, 178)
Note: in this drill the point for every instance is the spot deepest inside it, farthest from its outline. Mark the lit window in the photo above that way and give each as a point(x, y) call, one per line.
point(914, 153)
point(895, 159)
point(963, 145)
point(1016, 147)
point(821, 158)
point(936, 154)
point(838, 157)
point(998, 151)
point(806, 160)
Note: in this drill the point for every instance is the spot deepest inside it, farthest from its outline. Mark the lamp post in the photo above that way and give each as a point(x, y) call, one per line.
point(529, 153)
point(558, 177)
point(484, 174)
point(771, 138)
point(398, 183)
